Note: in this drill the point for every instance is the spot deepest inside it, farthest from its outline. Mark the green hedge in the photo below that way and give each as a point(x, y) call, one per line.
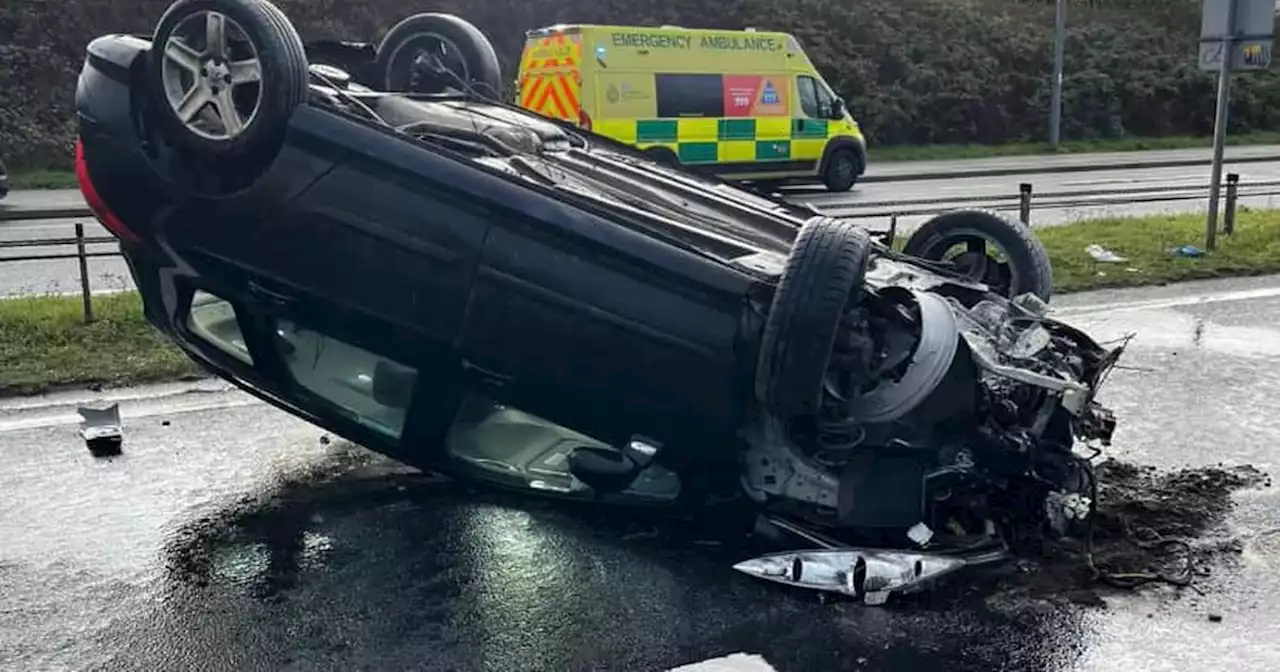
point(914, 71)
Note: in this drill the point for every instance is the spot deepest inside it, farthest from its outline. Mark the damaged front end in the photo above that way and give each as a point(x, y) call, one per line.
point(949, 422)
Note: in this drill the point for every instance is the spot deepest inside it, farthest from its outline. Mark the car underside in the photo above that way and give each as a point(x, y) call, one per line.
point(368, 238)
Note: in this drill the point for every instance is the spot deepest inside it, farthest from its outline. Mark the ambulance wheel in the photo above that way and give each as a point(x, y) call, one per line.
point(662, 155)
point(429, 53)
point(840, 171)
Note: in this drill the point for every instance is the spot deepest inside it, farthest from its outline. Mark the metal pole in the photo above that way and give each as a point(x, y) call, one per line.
point(84, 274)
point(1059, 41)
point(1220, 126)
point(1229, 214)
point(1024, 202)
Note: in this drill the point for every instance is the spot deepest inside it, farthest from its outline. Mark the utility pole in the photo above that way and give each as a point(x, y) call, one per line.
point(1059, 40)
point(1220, 124)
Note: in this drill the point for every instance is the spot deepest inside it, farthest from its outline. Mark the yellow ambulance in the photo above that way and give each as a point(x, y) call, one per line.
point(744, 105)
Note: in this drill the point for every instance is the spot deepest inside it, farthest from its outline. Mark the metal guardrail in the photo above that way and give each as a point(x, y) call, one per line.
point(891, 210)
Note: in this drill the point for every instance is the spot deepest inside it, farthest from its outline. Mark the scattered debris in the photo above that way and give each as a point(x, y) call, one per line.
point(868, 573)
point(1190, 251)
point(920, 534)
point(1102, 254)
point(101, 430)
point(1149, 527)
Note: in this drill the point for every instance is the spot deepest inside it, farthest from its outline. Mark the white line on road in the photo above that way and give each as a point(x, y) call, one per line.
point(737, 662)
point(1172, 302)
point(142, 402)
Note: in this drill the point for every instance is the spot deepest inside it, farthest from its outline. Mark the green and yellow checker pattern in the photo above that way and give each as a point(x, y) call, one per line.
point(710, 141)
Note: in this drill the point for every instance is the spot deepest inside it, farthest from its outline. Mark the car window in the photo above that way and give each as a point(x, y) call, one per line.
point(213, 320)
point(375, 391)
point(808, 87)
point(690, 95)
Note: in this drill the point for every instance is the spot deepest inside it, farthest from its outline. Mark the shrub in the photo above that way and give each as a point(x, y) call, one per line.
point(913, 71)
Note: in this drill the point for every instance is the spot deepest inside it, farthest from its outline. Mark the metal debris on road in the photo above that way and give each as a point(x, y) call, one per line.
point(101, 430)
point(871, 574)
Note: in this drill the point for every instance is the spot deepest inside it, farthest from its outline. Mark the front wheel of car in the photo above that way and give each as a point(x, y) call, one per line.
point(226, 76)
point(822, 280)
point(986, 247)
point(840, 171)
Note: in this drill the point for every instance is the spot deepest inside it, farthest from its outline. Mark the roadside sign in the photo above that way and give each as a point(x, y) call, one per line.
point(1245, 55)
point(1234, 35)
point(1249, 40)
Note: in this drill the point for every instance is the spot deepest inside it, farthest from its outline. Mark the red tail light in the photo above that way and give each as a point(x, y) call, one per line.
point(584, 119)
point(95, 202)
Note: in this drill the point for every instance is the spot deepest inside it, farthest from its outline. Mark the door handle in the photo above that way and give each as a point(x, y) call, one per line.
point(275, 296)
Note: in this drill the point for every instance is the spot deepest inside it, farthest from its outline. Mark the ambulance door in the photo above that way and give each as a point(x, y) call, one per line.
point(809, 122)
point(550, 77)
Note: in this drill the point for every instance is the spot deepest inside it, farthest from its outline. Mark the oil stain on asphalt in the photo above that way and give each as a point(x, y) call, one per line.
point(229, 536)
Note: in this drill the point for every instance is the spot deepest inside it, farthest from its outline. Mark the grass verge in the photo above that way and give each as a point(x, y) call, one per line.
point(66, 179)
point(43, 179)
point(1254, 249)
point(44, 343)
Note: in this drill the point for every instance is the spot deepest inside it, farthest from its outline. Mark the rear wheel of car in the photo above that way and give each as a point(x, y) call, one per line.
point(841, 170)
point(428, 53)
point(986, 247)
point(226, 76)
point(822, 280)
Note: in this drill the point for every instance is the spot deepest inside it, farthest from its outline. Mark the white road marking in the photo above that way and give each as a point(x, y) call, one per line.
point(737, 662)
point(1171, 302)
point(57, 410)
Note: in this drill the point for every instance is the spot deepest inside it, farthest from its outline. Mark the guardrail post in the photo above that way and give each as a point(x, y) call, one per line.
point(1229, 212)
point(1024, 203)
point(85, 295)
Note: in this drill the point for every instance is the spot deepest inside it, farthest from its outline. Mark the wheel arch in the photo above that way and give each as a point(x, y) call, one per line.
point(838, 143)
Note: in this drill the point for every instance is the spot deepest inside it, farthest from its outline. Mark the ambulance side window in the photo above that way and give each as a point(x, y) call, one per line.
point(689, 95)
point(808, 88)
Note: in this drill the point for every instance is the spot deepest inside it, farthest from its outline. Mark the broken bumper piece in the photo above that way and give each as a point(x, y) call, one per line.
point(101, 430)
point(871, 574)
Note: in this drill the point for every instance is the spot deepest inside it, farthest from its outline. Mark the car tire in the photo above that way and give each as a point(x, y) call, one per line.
point(282, 76)
point(663, 156)
point(840, 171)
point(1029, 268)
point(395, 64)
point(823, 276)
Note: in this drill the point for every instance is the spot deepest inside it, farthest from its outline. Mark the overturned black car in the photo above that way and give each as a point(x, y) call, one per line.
point(468, 287)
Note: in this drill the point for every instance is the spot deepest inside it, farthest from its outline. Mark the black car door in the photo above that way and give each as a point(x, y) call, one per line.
point(603, 329)
point(360, 282)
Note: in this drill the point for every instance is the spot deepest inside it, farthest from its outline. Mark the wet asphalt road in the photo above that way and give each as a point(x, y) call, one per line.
point(229, 536)
point(866, 202)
